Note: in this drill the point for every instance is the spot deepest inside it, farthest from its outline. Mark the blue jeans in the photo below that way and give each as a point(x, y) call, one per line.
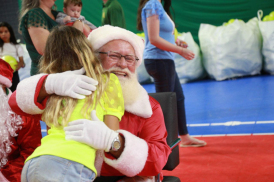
point(48, 168)
point(166, 80)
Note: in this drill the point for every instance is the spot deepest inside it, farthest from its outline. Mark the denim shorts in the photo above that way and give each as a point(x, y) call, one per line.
point(48, 168)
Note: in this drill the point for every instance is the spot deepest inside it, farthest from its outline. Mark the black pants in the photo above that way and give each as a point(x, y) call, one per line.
point(15, 81)
point(108, 178)
point(166, 80)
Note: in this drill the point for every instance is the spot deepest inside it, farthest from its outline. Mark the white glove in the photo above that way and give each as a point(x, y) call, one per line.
point(91, 132)
point(70, 83)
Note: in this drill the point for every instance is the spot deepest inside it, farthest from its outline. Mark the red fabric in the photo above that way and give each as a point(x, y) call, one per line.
point(37, 91)
point(153, 131)
point(28, 139)
point(15, 108)
point(228, 159)
point(6, 71)
point(71, 24)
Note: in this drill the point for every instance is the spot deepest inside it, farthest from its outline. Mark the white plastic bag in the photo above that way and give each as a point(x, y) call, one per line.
point(231, 50)
point(142, 74)
point(267, 31)
point(189, 70)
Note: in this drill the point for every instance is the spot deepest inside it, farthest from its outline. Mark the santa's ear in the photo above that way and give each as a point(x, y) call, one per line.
point(65, 10)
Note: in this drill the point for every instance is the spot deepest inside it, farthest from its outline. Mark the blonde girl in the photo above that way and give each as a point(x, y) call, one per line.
point(58, 159)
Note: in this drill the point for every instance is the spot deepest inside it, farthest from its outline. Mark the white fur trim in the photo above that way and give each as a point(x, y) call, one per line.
point(5, 81)
point(102, 35)
point(134, 157)
point(25, 94)
point(99, 159)
point(142, 106)
point(3, 178)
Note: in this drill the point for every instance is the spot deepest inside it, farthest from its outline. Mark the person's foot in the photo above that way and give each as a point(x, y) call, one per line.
point(188, 141)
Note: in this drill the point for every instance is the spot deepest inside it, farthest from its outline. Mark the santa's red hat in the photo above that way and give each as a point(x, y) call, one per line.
point(6, 73)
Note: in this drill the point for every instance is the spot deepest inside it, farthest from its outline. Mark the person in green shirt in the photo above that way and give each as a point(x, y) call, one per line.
point(37, 18)
point(113, 14)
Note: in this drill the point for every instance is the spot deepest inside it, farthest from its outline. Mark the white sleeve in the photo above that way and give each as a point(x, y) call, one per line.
point(20, 50)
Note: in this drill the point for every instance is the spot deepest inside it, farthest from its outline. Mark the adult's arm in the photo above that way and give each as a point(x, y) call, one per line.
point(39, 38)
point(147, 153)
point(24, 100)
point(20, 64)
point(20, 54)
point(31, 94)
point(153, 27)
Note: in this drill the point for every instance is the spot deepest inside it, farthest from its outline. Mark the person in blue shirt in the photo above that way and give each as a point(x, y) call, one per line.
point(156, 22)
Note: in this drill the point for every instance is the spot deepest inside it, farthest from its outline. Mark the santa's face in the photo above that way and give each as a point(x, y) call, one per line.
point(121, 68)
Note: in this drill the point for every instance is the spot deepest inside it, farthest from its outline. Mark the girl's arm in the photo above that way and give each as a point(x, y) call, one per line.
point(39, 38)
point(21, 63)
point(113, 123)
point(153, 27)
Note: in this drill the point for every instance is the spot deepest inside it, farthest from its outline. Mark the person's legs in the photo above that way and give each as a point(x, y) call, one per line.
point(163, 72)
point(15, 81)
point(182, 128)
point(166, 80)
point(55, 169)
point(108, 178)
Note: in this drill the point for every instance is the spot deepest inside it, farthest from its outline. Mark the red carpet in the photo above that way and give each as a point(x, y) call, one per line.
point(228, 159)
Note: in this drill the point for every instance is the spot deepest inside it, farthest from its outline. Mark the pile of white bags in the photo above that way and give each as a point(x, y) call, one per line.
point(189, 70)
point(267, 31)
point(231, 50)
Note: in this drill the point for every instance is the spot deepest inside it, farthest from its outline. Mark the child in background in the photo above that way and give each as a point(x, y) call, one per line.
point(10, 47)
point(18, 135)
point(62, 159)
point(72, 12)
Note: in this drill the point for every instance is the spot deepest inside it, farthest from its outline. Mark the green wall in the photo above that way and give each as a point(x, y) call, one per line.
point(188, 14)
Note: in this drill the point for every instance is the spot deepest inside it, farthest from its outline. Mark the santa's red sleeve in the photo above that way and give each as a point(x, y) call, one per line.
point(145, 154)
point(24, 100)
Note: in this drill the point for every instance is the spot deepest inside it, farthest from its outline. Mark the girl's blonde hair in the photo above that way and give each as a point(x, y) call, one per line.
point(68, 49)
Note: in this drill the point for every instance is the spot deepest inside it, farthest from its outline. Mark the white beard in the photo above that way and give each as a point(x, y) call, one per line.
point(130, 85)
point(135, 96)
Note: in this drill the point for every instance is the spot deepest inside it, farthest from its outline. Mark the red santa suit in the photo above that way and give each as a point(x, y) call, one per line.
point(146, 151)
point(24, 134)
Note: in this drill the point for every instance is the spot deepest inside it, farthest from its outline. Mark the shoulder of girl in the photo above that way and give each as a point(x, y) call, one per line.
point(113, 76)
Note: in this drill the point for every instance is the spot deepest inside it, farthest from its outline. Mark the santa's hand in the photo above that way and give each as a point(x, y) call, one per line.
point(91, 132)
point(70, 83)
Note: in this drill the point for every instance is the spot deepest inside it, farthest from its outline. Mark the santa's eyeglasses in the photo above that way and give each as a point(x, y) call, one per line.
point(116, 56)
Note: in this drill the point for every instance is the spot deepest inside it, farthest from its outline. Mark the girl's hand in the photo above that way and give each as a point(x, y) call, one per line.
point(187, 54)
point(91, 132)
point(20, 65)
point(181, 43)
